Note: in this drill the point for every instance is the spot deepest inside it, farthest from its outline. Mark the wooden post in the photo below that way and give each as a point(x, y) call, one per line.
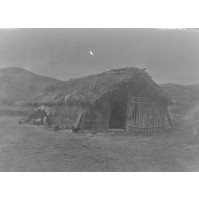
point(169, 119)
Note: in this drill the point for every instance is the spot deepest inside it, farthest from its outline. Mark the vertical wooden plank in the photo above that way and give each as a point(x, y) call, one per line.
point(169, 119)
point(144, 115)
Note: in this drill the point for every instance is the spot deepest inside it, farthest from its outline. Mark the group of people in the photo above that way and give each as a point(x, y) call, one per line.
point(42, 116)
point(39, 116)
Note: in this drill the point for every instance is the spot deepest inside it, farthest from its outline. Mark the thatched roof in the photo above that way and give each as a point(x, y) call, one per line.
point(91, 89)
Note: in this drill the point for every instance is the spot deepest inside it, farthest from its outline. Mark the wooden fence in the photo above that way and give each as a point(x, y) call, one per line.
point(144, 116)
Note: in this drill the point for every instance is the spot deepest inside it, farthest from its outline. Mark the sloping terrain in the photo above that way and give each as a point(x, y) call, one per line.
point(182, 91)
point(18, 84)
point(184, 97)
point(195, 87)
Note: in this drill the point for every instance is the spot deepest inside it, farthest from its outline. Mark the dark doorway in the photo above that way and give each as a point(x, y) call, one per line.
point(118, 111)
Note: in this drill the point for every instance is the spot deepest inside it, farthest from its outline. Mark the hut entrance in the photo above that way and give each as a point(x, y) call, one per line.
point(118, 111)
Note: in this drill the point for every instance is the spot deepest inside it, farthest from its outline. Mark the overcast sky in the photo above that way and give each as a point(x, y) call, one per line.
point(168, 55)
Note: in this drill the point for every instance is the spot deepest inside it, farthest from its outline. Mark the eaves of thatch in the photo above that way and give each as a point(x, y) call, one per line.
point(91, 89)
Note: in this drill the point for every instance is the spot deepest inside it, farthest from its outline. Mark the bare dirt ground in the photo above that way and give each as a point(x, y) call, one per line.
point(36, 148)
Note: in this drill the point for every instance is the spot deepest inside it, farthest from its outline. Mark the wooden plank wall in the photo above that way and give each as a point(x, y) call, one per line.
point(144, 116)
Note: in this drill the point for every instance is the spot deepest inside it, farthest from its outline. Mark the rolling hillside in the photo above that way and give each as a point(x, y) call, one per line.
point(183, 97)
point(18, 84)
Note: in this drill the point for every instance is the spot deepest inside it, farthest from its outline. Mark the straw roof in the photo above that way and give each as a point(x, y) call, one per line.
point(91, 89)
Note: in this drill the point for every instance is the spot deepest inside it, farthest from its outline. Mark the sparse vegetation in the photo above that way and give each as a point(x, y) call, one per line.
point(37, 148)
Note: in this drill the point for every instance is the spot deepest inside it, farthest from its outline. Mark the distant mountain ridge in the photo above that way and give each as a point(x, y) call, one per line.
point(15, 71)
point(181, 91)
point(18, 84)
point(184, 97)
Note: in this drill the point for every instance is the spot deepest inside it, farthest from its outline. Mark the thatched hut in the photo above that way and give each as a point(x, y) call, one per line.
point(124, 98)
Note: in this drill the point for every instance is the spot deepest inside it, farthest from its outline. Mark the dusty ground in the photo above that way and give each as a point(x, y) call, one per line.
point(35, 148)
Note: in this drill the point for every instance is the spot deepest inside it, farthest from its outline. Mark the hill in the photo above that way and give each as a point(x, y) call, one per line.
point(183, 97)
point(18, 84)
